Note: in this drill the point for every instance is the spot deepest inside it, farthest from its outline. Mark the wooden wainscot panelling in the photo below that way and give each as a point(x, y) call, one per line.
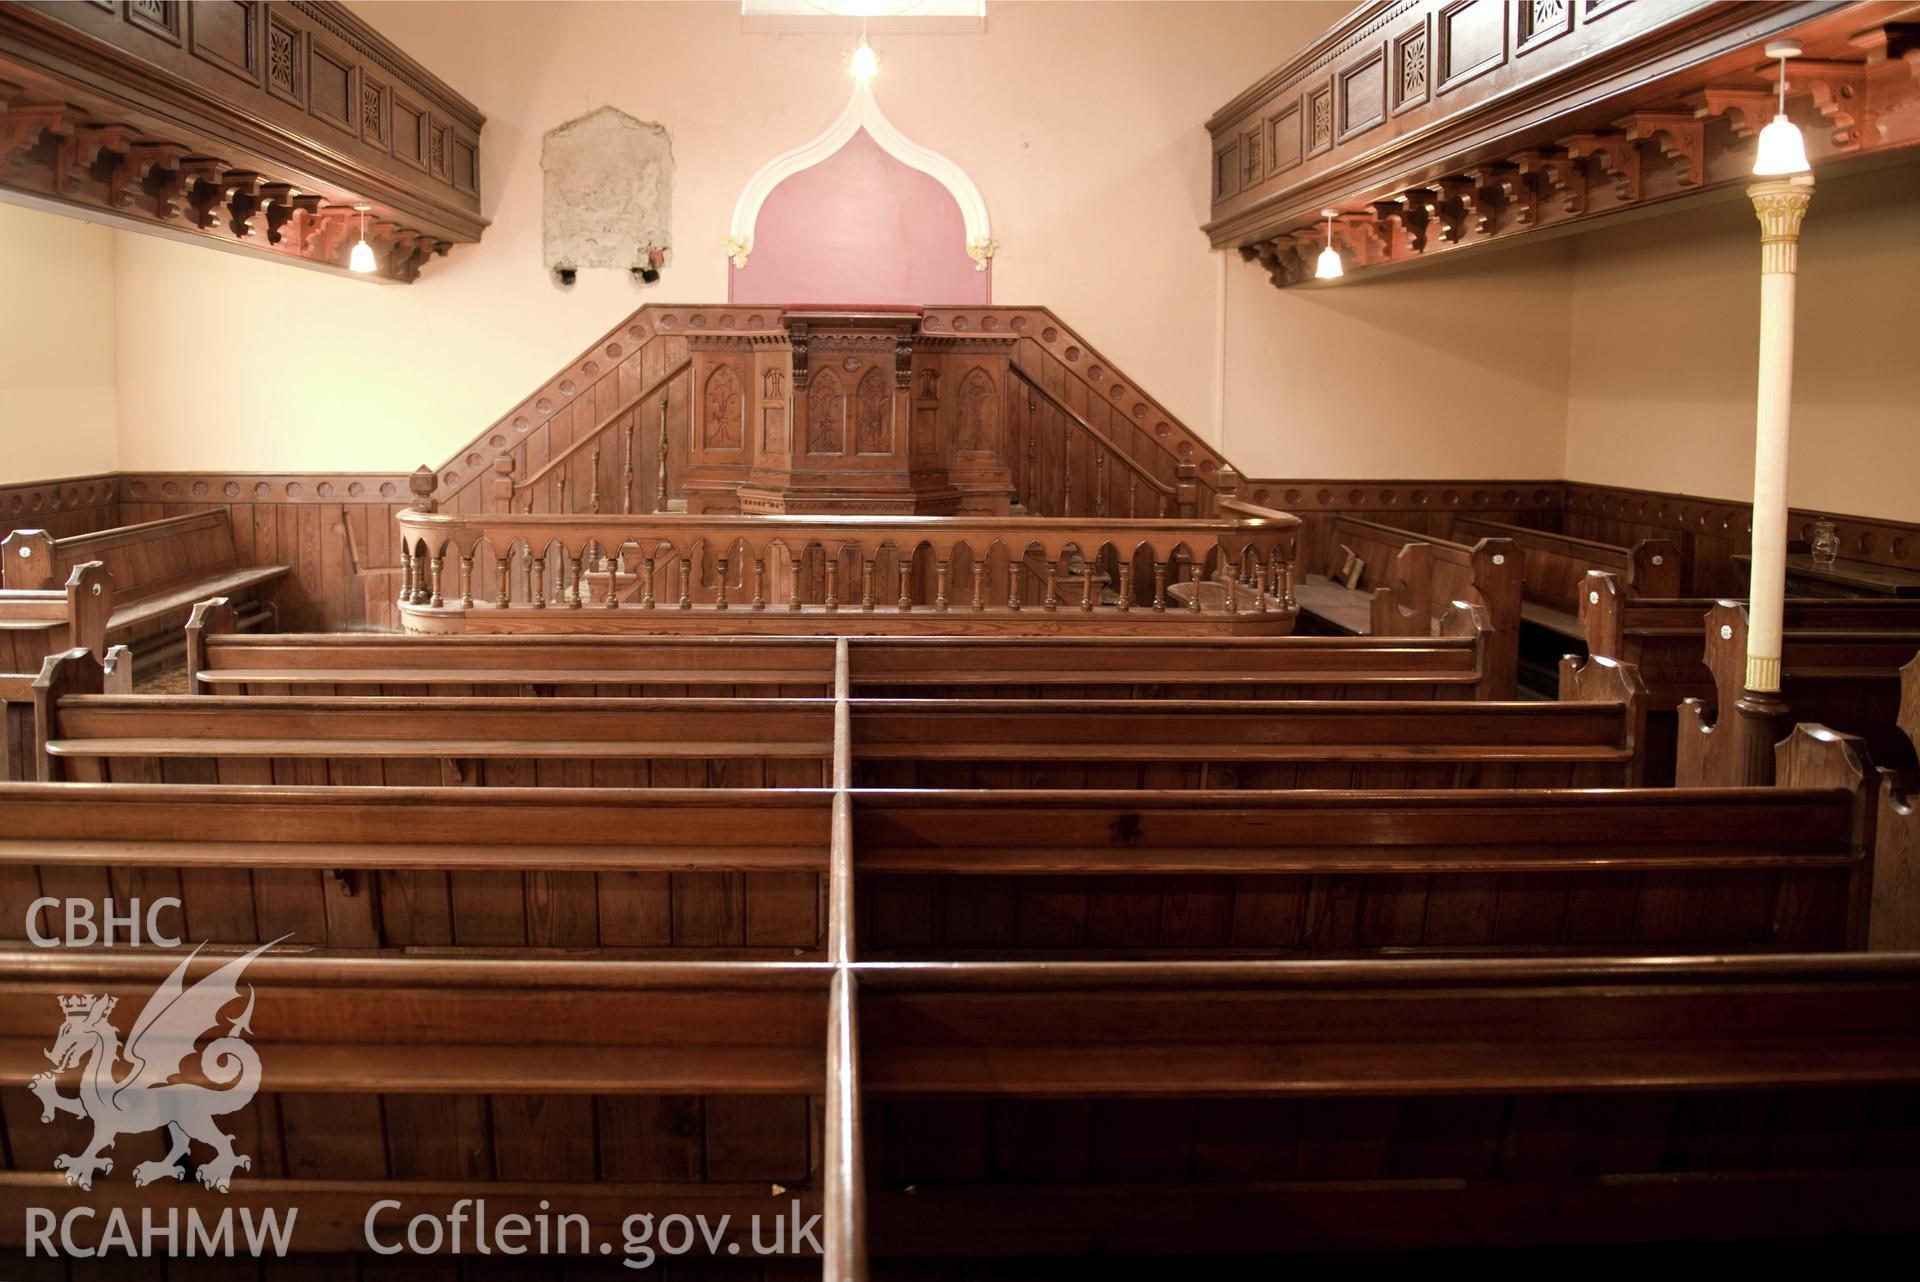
point(257, 123)
point(72, 506)
point(1442, 124)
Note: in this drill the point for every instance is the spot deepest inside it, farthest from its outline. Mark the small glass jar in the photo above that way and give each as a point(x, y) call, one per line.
point(1825, 541)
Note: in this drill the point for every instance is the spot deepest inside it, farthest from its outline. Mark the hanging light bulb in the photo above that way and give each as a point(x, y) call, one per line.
point(863, 62)
point(361, 259)
point(1329, 267)
point(1782, 150)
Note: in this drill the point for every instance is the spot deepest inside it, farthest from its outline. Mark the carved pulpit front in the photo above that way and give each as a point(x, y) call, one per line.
point(853, 412)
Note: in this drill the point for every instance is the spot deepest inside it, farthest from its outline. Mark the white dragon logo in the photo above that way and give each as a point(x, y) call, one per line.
point(147, 1097)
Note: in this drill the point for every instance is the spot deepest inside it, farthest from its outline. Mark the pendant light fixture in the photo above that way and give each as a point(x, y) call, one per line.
point(361, 259)
point(1782, 150)
point(863, 63)
point(1329, 267)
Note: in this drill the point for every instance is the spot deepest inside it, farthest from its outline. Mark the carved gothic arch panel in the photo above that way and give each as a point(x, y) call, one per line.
point(873, 416)
point(724, 421)
point(826, 414)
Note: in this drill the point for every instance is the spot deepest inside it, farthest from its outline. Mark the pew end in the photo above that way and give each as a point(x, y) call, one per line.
point(1655, 569)
point(26, 560)
point(117, 671)
point(89, 606)
point(1403, 605)
point(1815, 757)
point(1601, 621)
point(213, 617)
point(1895, 915)
point(1600, 679)
point(75, 671)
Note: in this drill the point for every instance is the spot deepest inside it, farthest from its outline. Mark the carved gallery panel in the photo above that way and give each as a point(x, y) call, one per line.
point(725, 411)
point(873, 433)
point(826, 414)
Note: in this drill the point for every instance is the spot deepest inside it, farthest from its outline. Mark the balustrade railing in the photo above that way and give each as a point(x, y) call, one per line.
point(1117, 484)
point(479, 569)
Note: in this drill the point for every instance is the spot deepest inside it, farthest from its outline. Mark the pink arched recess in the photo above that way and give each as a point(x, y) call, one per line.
point(860, 228)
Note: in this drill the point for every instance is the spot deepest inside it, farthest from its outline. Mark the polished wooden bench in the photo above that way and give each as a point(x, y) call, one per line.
point(84, 735)
point(1310, 873)
point(1155, 1109)
point(601, 1088)
point(1664, 639)
point(1847, 679)
point(1556, 567)
point(1410, 581)
point(161, 568)
point(37, 623)
point(1895, 916)
point(222, 660)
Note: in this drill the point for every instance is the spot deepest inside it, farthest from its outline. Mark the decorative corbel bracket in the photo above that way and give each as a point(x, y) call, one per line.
point(205, 190)
point(243, 201)
point(1678, 135)
point(23, 126)
point(1503, 187)
point(1360, 233)
point(1456, 200)
point(276, 202)
point(326, 232)
point(1618, 157)
point(1409, 216)
point(152, 168)
point(1837, 88)
point(87, 149)
point(1746, 108)
point(1559, 174)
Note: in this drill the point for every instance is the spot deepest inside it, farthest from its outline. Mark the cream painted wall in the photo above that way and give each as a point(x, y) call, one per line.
point(1082, 125)
point(1457, 369)
point(1665, 335)
point(56, 346)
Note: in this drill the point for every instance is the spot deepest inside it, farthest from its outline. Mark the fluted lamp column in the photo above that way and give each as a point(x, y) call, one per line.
point(1781, 205)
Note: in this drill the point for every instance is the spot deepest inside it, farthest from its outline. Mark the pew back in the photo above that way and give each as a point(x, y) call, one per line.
point(1556, 567)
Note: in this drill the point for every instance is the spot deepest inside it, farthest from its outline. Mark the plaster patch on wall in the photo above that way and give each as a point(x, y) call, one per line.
point(609, 191)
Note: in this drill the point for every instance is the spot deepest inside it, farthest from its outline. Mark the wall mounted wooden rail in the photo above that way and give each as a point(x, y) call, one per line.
point(585, 573)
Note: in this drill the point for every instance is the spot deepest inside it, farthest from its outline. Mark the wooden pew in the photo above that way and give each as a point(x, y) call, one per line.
point(82, 735)
point(1240, 1108)
point(731, 872)
point(1452, 665)
point(1663, 638)
point(34, 624)
point(903, 743)
point(161, 568)
point(602, 1088)
point(1417, 577)
point(1554, 575)
point(1169, 874)
point(1846, 679)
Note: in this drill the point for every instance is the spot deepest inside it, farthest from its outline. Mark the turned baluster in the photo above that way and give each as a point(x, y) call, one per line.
point(906, 583)
point(1159, 586)
point(439, 559)
point(593, 495)
point(1286, 584)
point(1193, 582)
point(793, 585)
point(1259, 585)
point(979, 583)
point(720, 594)
point(759, 583)
point(866, 584)
point(502, 566)
point(1052, 598)
point(686, 583)
point(560, 494)
point(1133, 496)
point(537, 583)
point(626, 468)
point(1233, 594)
point(406, 575)
point(1126, 584)
point(466, 582)
point(1100, 478)
point(833, 581)
point(611, 600)
point(574, 601)
point(646, 581)
point(940, 585)
point(660, 480)
point(1015, 564)
point(526, 578)
point(1086, 585)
